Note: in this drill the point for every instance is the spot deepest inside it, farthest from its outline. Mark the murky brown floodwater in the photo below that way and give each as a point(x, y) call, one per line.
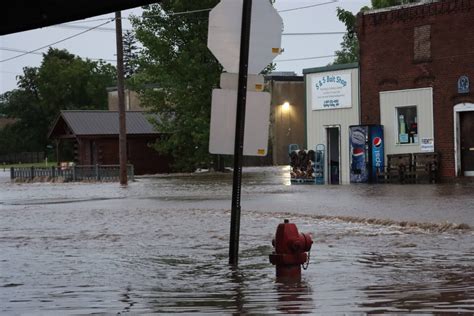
point(160, 246)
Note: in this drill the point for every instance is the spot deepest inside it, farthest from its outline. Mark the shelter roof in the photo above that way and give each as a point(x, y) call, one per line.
point(103, 123)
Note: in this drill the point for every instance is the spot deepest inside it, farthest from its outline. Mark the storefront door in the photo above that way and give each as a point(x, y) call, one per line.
point(467, 143)
point(333, 148)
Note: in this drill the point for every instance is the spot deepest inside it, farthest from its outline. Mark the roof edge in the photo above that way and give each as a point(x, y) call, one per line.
point(398, 7)
point(60, 116)
point(330, 68)
point(284, 78)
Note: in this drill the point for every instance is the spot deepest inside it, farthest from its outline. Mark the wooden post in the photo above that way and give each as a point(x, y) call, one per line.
point(97, 173)
point(32, 175)
point(121, 100)
point(58, 142)
point(12, 173)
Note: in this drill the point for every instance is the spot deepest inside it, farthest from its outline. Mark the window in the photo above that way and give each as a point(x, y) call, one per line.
point(407, 123)
point(422, 41)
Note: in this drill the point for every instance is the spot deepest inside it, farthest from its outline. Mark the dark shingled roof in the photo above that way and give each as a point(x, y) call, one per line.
point(107, 122)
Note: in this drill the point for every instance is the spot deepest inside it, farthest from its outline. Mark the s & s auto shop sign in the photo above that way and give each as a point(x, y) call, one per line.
point(331, 91)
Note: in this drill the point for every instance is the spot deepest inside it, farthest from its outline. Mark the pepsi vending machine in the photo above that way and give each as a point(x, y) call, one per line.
point(366, 152)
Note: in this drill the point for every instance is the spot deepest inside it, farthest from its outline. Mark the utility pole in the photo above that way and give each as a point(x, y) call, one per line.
point(121, 101)
point(239, 133)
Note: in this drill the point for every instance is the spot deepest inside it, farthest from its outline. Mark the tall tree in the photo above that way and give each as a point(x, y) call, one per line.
point(63, 81)
point(175, 56)
point(349, 52)
point(130, 54)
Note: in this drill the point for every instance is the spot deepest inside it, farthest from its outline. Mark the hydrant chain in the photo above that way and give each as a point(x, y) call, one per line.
point(306, 264)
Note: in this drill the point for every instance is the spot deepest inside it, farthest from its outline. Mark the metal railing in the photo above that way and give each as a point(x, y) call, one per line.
point(105, 173)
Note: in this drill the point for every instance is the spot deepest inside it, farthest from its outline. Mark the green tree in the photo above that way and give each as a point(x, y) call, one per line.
point(130, 54)
point(349, 52)
point(175, 56)
point(63, 81)
point(19, 137)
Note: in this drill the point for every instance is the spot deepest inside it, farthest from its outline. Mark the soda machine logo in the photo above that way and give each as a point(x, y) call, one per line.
point(357, 152)
point(377, 141)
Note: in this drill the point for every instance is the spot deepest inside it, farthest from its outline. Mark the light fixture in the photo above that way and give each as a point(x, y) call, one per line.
point(286, 106)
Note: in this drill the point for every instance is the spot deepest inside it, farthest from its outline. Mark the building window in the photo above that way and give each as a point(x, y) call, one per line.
point(407, 123)
point(422, 41)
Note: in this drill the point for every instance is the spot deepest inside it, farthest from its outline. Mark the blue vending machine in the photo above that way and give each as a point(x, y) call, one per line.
point(366, 152)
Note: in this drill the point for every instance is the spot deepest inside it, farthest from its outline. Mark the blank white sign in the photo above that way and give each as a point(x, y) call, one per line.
point(230, 81)
point(223, 116)
point(225, 26)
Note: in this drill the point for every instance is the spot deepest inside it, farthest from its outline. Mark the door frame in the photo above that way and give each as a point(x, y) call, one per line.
point(328, 156)
point(458, 108)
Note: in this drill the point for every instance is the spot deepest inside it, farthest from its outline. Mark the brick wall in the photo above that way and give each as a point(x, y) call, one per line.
point(428, 45)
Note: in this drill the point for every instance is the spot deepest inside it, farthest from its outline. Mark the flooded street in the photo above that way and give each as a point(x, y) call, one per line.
point(161, 246)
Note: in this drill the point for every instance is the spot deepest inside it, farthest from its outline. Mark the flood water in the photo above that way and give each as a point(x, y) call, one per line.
point(161, 246)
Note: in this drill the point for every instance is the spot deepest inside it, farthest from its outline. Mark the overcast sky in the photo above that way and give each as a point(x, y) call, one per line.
point(101, 43)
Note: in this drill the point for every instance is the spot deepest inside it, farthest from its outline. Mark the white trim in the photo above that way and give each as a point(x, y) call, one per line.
point(458, 108)
point(406, 90)
point(391, 101)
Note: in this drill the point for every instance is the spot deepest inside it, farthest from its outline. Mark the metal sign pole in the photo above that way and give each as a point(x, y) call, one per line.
point(239, 133)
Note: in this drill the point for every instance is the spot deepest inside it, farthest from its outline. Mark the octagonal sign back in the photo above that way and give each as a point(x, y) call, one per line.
point(225, 24)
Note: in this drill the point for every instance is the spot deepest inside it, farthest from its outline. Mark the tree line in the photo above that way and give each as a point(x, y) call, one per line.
point(63, 81)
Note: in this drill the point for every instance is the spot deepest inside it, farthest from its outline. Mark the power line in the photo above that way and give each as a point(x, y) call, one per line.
point(91, 20)
point(57, 42)
point(83, 27)
point(109, 29)
point(308, 6)
point(206, 10)
point(314, 33)
point(286, 10)
point(16, 50)
point(190, 12)
point(305, 58)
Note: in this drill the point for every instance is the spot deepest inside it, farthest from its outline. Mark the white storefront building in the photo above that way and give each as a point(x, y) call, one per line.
point(332, 105)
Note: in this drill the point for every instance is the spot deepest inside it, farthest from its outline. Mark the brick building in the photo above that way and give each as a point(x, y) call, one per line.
point(415, 64)
point(287, 115)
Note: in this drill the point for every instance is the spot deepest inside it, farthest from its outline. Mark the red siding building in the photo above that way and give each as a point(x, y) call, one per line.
point(95, 137)
point(415, 65)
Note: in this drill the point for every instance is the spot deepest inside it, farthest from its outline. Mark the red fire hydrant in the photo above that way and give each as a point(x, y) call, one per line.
point(290, 251)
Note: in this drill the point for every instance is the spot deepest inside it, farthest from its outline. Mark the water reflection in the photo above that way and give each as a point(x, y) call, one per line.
point(433, 283)
point(237, 279)
point(294, 297)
